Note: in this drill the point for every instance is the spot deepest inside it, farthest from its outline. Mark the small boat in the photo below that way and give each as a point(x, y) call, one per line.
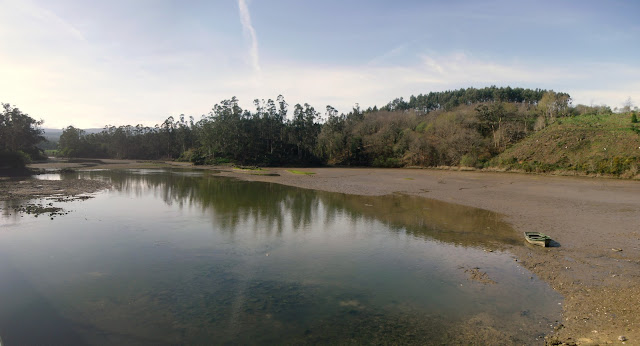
point(537, 238)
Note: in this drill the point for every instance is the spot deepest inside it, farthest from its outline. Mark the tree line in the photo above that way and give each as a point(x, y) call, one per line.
point(227, 134)
point(456, 127)
point(448, 100)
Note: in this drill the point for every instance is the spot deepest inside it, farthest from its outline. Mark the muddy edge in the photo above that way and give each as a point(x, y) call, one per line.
point(594, 222)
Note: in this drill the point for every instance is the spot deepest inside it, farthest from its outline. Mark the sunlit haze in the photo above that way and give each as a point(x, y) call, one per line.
point(90, 63)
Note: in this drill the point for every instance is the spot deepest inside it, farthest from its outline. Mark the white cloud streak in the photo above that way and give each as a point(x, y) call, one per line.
point(250, 32)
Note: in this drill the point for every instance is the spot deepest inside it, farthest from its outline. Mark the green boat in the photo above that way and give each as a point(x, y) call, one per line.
point(537, 238)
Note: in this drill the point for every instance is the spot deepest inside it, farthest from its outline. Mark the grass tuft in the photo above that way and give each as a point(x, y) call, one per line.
point(299, 172)
point(248, 168)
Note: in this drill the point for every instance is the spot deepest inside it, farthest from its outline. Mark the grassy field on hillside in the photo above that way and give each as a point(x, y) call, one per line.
point(589, 144)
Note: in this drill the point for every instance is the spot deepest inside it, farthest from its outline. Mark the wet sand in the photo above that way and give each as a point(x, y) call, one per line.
point(595, 223)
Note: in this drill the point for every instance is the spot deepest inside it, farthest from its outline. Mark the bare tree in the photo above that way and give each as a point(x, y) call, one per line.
point(627, 106)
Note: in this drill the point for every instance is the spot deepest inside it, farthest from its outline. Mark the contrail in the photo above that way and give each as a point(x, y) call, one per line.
point(245, 19)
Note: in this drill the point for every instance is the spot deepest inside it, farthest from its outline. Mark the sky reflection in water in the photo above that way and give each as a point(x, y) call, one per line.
point(186, 257)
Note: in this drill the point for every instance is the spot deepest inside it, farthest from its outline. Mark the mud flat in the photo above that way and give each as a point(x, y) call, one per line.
point(594, 222)
point(34, 188)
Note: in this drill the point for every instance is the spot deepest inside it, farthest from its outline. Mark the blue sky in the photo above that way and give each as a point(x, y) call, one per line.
point(90, 63)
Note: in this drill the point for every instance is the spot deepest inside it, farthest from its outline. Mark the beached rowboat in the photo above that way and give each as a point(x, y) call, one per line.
point(537, 238)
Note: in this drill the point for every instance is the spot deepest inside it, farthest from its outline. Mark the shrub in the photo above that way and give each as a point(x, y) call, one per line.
point(12, 160)
point(217, 161)
point(192, 155)
point(389, 162)
point(468, 160)
point(13, 163)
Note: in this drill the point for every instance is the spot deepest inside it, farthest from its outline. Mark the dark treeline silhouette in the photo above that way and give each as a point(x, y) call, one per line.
point(19, 136)
point(458, 127)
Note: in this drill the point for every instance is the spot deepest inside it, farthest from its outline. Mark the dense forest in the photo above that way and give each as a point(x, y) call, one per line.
point(465, 126)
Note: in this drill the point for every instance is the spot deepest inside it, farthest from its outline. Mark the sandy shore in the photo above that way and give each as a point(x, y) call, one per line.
point(596, 223)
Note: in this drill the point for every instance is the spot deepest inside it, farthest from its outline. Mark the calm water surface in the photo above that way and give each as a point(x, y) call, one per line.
point(185, 257)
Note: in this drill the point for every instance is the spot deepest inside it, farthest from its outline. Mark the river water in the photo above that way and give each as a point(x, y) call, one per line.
point(186, 257)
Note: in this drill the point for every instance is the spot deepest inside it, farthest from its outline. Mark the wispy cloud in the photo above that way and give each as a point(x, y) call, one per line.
point(43, 15)
point(245, 19)
point(390, 54)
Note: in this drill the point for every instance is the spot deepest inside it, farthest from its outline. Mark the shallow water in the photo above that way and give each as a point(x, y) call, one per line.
point(179, 256)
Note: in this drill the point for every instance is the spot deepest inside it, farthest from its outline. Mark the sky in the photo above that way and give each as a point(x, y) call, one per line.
point(96, 63)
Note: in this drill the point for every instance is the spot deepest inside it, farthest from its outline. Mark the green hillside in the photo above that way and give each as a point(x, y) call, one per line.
point(588, 144)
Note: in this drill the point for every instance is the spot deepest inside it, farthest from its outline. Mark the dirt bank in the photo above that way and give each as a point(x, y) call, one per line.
point(595, 222)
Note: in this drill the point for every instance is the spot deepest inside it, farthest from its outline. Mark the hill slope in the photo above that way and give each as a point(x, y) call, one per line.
point(590, 144)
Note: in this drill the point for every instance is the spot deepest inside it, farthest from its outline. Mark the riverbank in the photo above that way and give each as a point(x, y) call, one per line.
point(596, 265)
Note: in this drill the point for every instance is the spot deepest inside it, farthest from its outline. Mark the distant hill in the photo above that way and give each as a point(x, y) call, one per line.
point(53, 135)
point(593, 144)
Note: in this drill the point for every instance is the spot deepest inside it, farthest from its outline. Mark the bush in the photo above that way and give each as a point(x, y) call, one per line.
point(13, 160)
point(469, 161)
point(616, 166)
point(634, 118)
point(389, 162)
point(217, 161)
point(421, 127)
point(13, 163)
point(194, 156)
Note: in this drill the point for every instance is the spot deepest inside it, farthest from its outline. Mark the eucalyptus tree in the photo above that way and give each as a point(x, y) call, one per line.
point(19, 132)
point(304, 131)
point(70, 143)
point(332, 137)
point(269, 126)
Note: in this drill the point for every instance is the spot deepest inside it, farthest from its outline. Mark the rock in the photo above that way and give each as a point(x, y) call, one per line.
point(622, 338)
